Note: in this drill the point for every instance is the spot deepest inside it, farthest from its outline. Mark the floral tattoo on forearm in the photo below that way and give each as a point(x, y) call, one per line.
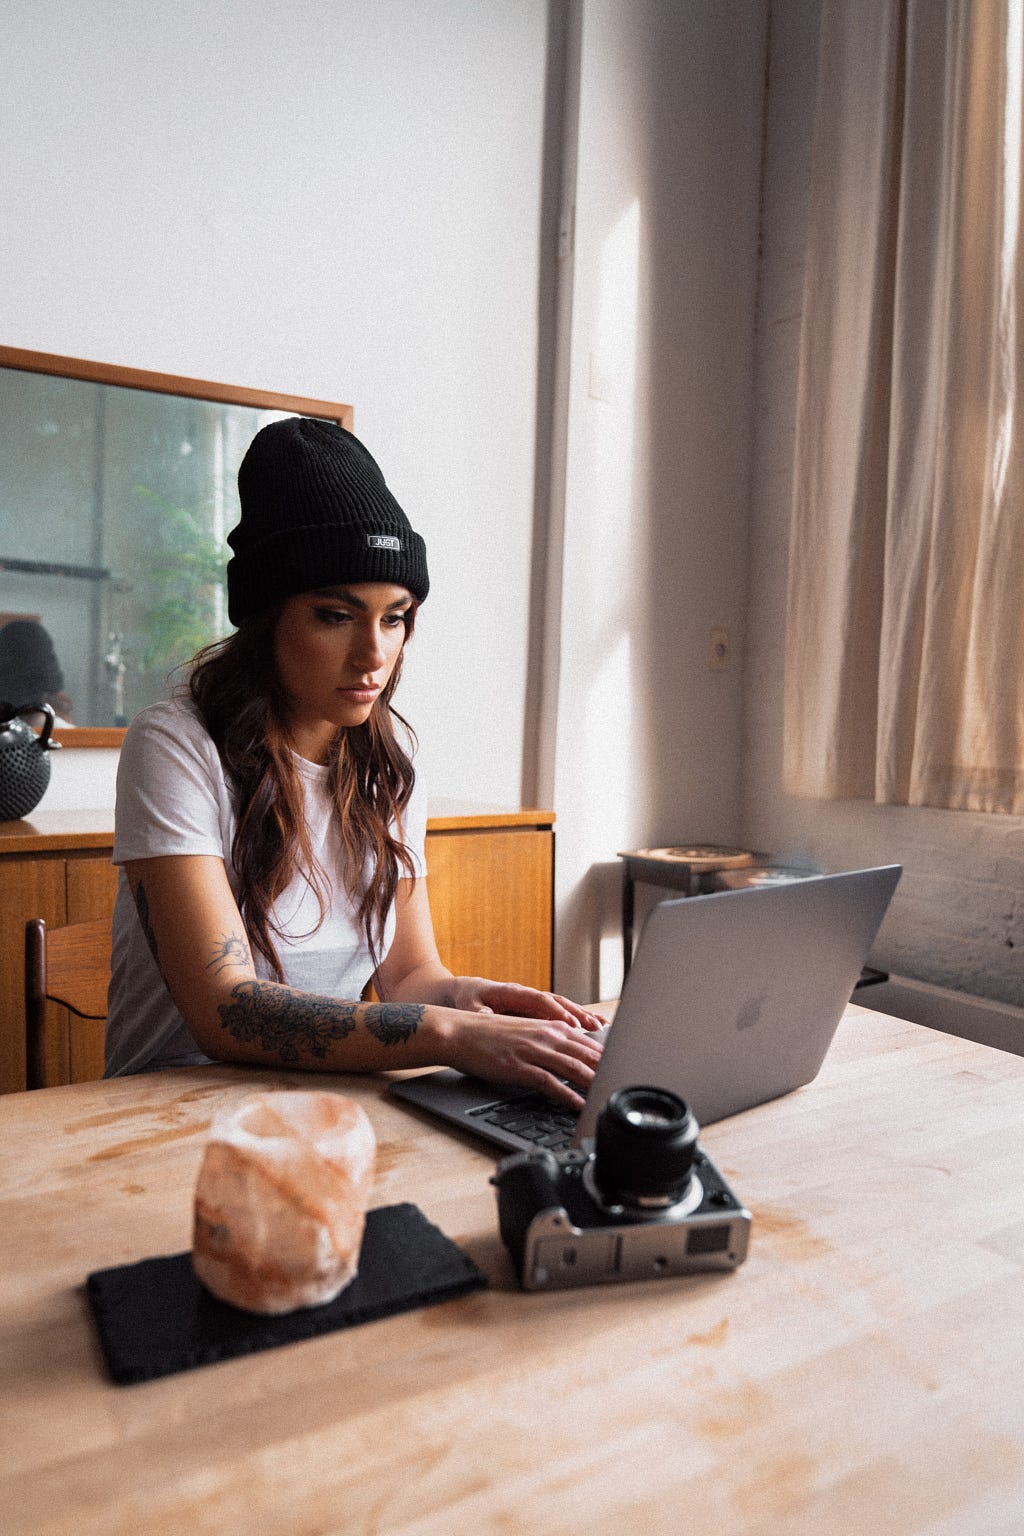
point(290, 1026)
point(271, 1017)
point(393, 1023)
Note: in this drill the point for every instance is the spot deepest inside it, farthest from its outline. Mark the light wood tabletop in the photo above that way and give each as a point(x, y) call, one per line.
point(861, 1373)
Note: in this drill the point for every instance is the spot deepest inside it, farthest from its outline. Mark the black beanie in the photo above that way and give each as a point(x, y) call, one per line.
point(315, 513)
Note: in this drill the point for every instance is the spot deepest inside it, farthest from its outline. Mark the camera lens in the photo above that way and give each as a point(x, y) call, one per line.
point(644, 1148)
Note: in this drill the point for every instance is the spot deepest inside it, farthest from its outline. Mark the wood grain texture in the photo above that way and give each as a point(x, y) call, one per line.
point(465, 816)
point(59, 890)
point(92, 888)
point(859, 1374)
point(491, 900)
point(29, 887)
point(171, 384)
point(57, 832)
point(89, 736)
point(68, 971)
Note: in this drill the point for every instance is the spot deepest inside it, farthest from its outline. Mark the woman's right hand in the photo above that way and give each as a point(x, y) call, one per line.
point(533, 1053)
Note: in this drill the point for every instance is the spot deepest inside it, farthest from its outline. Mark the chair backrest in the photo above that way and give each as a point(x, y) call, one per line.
point(71, 966)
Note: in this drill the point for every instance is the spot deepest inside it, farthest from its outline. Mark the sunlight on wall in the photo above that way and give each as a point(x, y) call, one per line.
point(606, 532)
point(596, 770)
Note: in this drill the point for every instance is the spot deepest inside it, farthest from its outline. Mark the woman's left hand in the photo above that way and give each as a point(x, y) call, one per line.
point(475, 994)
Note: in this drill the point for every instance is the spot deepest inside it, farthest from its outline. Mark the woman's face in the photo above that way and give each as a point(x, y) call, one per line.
point(334, 652)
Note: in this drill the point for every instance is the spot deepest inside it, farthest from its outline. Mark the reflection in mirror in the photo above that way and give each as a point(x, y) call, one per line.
point(117, 490)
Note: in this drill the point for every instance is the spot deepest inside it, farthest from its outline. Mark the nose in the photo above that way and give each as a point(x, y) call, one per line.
point(370, 653)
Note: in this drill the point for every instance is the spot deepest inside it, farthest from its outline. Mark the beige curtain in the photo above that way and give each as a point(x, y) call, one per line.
point(905, 625)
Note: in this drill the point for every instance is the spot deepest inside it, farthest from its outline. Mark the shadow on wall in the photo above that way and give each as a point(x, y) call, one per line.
point(648, 738)
point(955, 1013)
point(593, 914)
point(702, 264)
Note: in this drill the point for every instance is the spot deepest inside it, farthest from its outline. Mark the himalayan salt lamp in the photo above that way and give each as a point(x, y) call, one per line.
point(280, 1201)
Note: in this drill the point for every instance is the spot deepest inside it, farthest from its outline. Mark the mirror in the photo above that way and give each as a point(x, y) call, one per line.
point(117, 490)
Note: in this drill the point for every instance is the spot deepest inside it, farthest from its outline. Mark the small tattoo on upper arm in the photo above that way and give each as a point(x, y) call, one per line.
point(229, 950)
point(393, 1023)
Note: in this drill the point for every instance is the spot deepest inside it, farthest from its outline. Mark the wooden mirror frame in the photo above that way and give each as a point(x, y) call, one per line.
point(162, 384)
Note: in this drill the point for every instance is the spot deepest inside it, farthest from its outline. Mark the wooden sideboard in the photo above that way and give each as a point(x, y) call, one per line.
point(491, 875)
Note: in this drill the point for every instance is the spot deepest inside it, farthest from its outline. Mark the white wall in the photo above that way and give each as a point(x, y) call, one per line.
point(958, 916)
point(648, 737)
point(331, 198)
point(348, 201)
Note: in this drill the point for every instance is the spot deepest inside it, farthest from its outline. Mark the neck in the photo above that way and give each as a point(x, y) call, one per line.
point(314, 743)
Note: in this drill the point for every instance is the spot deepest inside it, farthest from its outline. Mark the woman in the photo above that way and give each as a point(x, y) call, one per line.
point(270, 826)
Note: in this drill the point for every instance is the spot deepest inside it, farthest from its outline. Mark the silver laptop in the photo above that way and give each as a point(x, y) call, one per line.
point(732, 1000)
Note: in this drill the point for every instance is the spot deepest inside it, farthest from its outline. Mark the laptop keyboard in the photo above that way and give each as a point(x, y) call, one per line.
point(534, 1118)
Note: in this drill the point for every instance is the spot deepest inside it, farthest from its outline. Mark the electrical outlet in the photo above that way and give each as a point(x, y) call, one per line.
point(720, 652)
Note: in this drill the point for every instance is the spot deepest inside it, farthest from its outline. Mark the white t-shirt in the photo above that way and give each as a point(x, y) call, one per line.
point(173, 798)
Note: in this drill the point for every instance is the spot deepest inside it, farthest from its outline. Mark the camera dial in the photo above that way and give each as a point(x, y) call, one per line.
point(644, 1151)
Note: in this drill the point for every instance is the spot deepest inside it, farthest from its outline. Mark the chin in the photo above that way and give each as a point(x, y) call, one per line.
point(353, 714)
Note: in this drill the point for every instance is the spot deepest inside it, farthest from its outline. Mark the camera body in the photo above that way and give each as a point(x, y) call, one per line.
point(646, 1203)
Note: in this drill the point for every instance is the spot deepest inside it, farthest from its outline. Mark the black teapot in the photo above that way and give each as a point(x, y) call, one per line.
point(24, 759)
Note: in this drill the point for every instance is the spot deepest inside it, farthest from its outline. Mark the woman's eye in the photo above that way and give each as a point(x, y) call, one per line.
point(395, 620)
point(331, 616)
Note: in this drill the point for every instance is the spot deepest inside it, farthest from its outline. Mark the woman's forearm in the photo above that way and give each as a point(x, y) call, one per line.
point(273, 1025)
point(426, 1016)
point(430, 983)
point(267, 1024)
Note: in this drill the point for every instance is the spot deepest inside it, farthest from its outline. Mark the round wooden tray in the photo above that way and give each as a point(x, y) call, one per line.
point(697, 856)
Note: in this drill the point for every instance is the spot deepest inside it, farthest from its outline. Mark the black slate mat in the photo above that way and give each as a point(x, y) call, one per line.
point(155, 1318)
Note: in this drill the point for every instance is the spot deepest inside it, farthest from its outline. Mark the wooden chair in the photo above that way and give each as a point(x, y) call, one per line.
point(70, 966)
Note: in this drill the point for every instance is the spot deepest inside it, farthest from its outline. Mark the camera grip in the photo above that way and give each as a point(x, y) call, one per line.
point(527, 1183)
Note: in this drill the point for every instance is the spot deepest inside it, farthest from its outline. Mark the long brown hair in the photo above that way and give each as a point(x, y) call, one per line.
point(234, 686)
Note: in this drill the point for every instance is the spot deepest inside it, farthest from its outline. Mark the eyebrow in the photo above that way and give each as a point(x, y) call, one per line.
point(343, 595)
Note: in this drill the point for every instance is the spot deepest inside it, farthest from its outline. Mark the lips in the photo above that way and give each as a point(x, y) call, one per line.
point(360, 694)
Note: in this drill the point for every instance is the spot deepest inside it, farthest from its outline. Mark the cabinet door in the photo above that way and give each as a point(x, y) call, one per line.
point(29, 887)
point(92, 886)
point(491, 900)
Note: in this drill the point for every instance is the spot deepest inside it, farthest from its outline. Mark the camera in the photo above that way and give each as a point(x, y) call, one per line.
point(645, 1203)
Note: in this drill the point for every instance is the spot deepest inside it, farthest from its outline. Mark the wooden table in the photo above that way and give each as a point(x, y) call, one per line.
point(861, 1373)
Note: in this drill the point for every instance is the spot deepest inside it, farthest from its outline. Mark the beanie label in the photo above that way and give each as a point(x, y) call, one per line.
point(383, 541)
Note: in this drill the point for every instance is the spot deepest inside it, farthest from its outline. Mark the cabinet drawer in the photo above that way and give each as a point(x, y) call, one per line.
point(491, 900)
point(29, 887)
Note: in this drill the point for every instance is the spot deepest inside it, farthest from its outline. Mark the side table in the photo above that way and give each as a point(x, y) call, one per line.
point(691, 869)
point(699, 870)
